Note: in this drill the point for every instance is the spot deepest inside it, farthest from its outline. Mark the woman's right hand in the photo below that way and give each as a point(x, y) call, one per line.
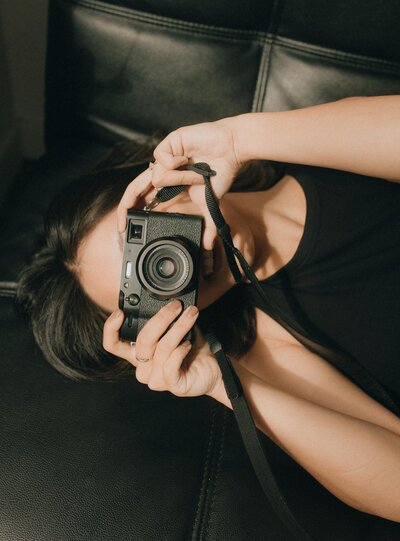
point(210, 142)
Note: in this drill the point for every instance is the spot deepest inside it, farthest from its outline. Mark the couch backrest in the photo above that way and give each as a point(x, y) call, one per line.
point(122, 68)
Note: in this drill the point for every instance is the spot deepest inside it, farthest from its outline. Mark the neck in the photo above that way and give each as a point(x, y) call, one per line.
point(273, 223)
point(266, 228)
point(250, 226)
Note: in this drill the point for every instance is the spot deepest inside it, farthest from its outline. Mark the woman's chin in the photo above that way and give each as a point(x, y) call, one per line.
point(209, 292)
point(213, 286)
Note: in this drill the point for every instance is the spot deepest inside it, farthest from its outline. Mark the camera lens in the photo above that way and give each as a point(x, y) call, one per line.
point(165, 267)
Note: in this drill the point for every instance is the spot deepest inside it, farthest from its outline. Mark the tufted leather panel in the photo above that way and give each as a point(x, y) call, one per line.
point(123, 72)
point(93, 461)
point(301, 74)
point(114, 71)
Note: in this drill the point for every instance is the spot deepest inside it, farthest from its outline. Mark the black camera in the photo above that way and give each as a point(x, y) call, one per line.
point(161, 262)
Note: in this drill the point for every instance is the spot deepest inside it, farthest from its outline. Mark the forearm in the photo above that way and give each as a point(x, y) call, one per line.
point(355, 460)
point(360, 134)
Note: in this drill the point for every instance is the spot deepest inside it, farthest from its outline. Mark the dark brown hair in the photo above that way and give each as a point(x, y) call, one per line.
point(66, 324)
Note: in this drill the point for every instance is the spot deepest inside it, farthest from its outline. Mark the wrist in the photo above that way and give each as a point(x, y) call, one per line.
point(219, 393)
point(238, 127)
point(252, 135)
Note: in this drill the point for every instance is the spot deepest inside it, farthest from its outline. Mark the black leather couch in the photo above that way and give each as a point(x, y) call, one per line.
point(92, 461)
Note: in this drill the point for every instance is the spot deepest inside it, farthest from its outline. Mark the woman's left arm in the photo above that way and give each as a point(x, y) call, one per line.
point(360, 134)
point(358, 461)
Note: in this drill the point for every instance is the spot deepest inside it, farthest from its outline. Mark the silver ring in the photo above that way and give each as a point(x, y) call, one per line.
point(142, 360)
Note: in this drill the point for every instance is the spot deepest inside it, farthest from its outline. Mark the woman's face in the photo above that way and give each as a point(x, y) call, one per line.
point(100, 255)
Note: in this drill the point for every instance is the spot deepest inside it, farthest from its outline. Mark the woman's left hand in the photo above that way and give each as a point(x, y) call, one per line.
point(180, 368)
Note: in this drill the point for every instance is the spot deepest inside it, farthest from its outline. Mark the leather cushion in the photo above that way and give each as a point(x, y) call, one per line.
point(94, 461)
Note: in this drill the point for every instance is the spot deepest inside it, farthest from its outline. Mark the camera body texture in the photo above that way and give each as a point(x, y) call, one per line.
point(161, 262)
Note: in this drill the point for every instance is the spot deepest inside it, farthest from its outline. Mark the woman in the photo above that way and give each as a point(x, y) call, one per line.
point(324, 244)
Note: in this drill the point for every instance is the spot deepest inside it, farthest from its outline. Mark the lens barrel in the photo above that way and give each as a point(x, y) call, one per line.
point(165, 267)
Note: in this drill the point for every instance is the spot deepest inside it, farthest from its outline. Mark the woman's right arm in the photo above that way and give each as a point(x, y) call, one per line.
point(360, 134)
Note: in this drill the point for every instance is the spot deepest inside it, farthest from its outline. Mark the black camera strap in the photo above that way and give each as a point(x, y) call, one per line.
point(231, 381)
point(340, 359)
point(252, 441)
point(233, 387)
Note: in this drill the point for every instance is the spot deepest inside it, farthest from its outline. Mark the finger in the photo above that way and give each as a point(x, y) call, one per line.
point(168, 160)
point(149, 336)
point(170, 152)
point(111, 340)
point(172, 339)
point(143, 372)
point(172, 367)
point(170, 376)
point(165, 177)
point(135, 190)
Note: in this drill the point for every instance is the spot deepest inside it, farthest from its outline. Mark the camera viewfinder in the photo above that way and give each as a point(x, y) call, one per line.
point(135, 231)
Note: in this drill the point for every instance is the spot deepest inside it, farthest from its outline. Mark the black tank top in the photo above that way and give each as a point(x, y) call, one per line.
point(339, 295)
point(343, 283)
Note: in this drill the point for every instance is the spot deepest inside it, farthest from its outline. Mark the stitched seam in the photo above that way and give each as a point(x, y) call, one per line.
point(225, 34)
point(199, 516)
point(232, 34)
point(217, 472)
point(264, 61)
point(318, 48)
point(8, 289)
point(7, 294)
point(341, 56)
point(273, 29)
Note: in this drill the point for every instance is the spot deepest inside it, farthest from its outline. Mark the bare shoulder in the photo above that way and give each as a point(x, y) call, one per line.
point(279, 359)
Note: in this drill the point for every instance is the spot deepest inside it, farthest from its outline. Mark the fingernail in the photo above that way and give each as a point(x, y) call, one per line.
point(117, 314)
point(175, 305)
point(191, 311)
